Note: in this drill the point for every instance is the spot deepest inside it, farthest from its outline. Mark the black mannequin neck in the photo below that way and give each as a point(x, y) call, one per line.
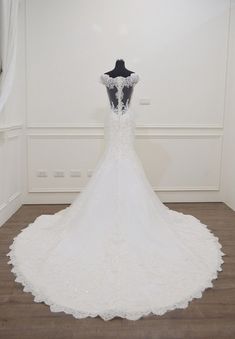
point(119, 70)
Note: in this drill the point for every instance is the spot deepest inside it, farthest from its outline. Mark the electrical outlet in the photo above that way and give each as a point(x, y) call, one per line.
point(75, 173)
point(145, 101)
point(58, 174)
point(89, 173)
point(42, 174)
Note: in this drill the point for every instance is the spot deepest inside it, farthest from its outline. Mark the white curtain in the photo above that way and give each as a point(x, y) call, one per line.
point(8, 45)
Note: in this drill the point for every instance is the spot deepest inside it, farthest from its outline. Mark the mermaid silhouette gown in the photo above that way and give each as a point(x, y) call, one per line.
point(117, 250)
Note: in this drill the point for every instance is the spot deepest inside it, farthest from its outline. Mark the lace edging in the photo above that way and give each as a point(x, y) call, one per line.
point(110, 82)
point(110, 314)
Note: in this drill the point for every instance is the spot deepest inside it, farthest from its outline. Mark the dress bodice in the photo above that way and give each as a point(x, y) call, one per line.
point(120, 123)
point(120, 91)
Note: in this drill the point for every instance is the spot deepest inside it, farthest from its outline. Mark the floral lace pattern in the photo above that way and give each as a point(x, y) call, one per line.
point(120, 83)
point(117, 250)
point(128, 81)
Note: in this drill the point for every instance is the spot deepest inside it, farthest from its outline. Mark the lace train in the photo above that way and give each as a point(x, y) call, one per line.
point(116, 250)
point(109, 313)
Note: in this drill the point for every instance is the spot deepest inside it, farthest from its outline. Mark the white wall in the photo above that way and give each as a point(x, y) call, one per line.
point(179, 49)
point(185, 137)
point(12, 144)
point(228, 178)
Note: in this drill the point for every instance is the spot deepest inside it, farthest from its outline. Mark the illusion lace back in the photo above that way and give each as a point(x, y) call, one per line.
point(117, 250)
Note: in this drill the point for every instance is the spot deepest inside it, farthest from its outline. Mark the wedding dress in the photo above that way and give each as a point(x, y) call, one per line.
point(117, 250)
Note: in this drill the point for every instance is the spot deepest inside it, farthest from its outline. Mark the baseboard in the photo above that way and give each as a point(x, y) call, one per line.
point(166, 196)
point(7, 209)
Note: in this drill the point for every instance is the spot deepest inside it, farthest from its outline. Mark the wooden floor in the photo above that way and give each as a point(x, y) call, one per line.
point(212, 316)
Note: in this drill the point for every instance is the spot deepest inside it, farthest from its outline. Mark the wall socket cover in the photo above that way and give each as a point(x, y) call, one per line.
point(75, 173)
point(145, 101)
point(59, 174)
point(42, 174)
point(89, 173)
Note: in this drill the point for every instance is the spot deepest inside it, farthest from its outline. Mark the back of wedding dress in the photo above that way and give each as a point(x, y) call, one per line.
point(117, 250)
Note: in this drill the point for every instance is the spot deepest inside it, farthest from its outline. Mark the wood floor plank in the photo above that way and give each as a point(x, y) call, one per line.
point(209, 317)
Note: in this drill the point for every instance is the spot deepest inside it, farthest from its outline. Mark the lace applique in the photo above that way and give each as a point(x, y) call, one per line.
point(110, 82)
point(119, 82)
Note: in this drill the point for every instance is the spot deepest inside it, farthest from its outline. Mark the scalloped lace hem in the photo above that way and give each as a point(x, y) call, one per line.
point(109, 313)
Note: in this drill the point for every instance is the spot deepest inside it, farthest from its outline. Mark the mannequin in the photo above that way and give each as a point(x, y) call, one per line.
point(119, 70)
point(113, 91)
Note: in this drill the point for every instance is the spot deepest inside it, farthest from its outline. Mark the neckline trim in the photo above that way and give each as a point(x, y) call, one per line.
point(130, 80)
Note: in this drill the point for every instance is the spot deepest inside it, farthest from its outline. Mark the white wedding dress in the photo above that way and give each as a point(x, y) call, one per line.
point(117, 250)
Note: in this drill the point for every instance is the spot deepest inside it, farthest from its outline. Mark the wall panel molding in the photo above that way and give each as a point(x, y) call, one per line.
point(53, 133)
point(156, 189)
point(142, 130)
point(10, 181)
